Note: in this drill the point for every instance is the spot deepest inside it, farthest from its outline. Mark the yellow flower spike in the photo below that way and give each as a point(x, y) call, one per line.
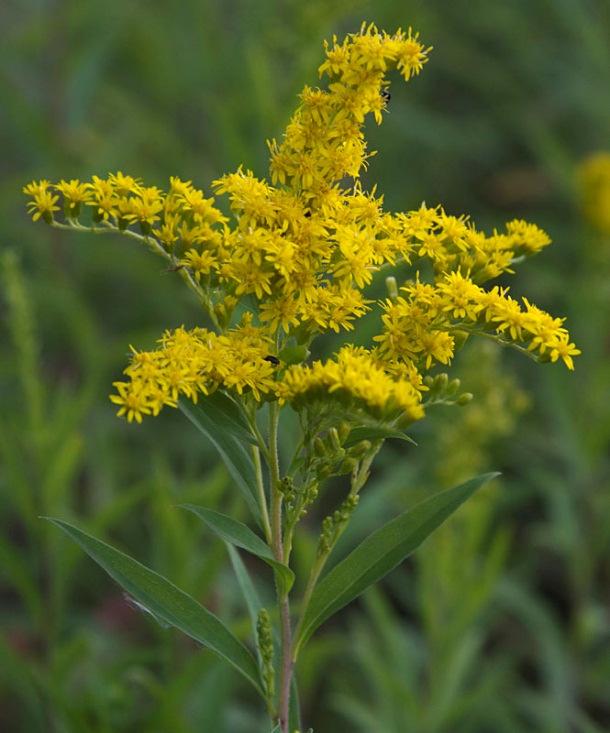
point(300, 250)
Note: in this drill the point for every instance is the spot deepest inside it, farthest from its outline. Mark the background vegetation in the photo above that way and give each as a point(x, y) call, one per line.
point(502, 623)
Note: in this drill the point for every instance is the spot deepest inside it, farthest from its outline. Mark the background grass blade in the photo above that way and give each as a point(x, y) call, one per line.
point(166, 601)
point(238, 534)
point(380, 552)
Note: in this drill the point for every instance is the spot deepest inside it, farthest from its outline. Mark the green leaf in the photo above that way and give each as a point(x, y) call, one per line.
point(376, 432)
point(253, 602)
point(294, 354)
point(238, 534)
point(215, 420)
point(220, 406)
point(167, 602)
point(381, 552)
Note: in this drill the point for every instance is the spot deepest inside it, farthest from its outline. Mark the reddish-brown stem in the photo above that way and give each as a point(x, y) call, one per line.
point(278, 551)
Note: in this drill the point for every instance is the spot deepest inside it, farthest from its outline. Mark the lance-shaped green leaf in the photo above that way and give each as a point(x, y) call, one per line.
point(216, 420)
point(253, 601)
point(222, 408)
point(167, 602)
point(238, 534)
point(381, 552)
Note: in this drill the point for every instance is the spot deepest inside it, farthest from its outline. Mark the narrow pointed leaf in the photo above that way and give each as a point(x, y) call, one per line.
point(166, 601)
point(238, 534)
point(230, 443)
point(381, 552)
point(225, 411)
point(253, 601)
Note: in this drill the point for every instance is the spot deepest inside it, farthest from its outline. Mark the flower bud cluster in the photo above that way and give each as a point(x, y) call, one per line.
point(442, 390)
point(332, 458)
point(264, 642)
point(297, 499)
point(334, 523)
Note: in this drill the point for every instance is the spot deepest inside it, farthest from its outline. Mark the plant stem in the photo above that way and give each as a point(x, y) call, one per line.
point(105, 227)
point(286, 665)
point(278, 550)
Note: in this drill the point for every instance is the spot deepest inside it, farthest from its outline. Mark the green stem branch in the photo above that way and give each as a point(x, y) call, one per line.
point(106, 227)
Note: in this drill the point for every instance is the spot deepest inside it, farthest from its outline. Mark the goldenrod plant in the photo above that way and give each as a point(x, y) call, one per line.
point(291, 261)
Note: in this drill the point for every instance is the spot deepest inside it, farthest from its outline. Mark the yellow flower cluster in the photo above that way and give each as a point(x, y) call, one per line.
point(324, 141)
point(594, 179)
point(422, 326)
point(453, 243)
point(192, 362)
point(357, 379)
point(301, 250)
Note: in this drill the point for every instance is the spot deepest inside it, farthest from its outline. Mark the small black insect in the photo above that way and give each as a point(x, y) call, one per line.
point(272, 359)
point(307, 214)
point(385, 95)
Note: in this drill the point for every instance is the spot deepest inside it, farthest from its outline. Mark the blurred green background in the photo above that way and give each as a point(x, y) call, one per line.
point(502, 622)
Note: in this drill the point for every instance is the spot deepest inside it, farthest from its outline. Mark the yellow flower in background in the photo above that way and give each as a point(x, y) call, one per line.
point(296, 257)
point(594, 180)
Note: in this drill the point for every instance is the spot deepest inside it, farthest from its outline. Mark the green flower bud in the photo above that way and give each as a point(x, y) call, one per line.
point(441, 381)
point(347, 465)
point(392, 287)
point(452, 387)
point(319, 448)
point(344, 430)
point(334, 439)
point(360, 449)
point(464, 398)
